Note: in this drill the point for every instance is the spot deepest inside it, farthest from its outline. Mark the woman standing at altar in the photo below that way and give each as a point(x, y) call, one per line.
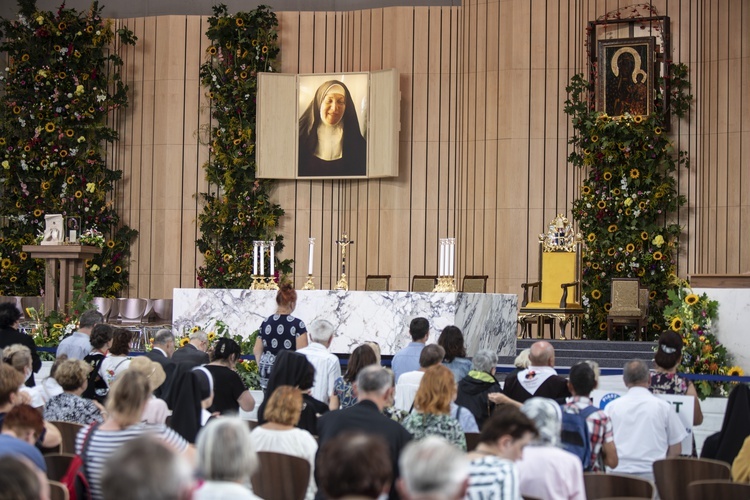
point(279, 332)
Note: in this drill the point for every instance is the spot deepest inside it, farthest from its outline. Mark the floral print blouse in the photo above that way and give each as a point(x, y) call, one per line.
point(67, 407)
point(421, 425)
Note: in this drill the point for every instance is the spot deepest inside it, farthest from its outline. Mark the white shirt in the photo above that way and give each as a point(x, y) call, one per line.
point(220, 490)
point(295, 442)
point(406, 389)
point(327, 370)
point(112, 366)
point(644, 428)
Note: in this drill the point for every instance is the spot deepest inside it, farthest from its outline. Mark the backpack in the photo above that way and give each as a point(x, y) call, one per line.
point(75, 479)
point(575, 435)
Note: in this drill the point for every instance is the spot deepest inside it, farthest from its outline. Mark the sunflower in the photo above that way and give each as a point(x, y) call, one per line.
point(691, 299)
point(735, 371)
point(254, 43)
point(611, 252)
point(634, 173)
point(612, 228)
point(629, 248)
point(644, 236)
point(16, 110)
point(601, 204)
point(227, 257)
point(211, 336)
point(620, 266)
point(239, 21)
point(91, 109)
point(237, 142)
point(37, 213)
point(594, 138)
point(264, 50)
point(118, 269)
point(62, 26)
point(658, 255)
point(607, 176)
point(641, 272)
point(45, 185)
point(2, 141)
point(607, 306)
point(602, 326)
point(64, 153)
point(27, 148)
point(23, 255)
point(44, 162)
point(676, 324)
point(586, 190)
point(591, 237)
point(207, 253)
point(25, 57)
point(184, 341)
point(49, 127)
point(243, 74)
point(69, 132)
point(596, 294)
point(5, 263)
point(13, 279)
point(657, 131)
point(70, 180)
point(89, 29)
point(642, 205)
point(628, 211)
point(78, 194)
point(595, 265)
point(638, 119)
point(111, 244)
point(616, 191)
point(652, 294)
point(61, 75)
point(211, 50)
point(87, 262)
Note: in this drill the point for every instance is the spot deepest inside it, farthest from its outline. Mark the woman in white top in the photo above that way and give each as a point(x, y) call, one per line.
point(280, 435)
point(118, 358)
point(19, 357)
point(226, 460)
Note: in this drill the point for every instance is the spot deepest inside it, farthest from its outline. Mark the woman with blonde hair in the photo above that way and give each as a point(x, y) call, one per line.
point(19, 357)
point(433, 405)
point(280, 435)
point(127, 400)
point(72, 375)
point(279, 332)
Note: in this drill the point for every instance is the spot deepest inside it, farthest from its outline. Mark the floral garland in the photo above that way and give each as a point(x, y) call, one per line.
point(61, 82)
point(692, 317)
point(626, 199)
point(239, 211)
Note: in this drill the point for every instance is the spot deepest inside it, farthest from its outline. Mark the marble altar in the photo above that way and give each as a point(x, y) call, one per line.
point(487, 320)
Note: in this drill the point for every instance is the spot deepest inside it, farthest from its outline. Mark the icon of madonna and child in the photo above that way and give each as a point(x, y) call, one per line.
point(332, 126)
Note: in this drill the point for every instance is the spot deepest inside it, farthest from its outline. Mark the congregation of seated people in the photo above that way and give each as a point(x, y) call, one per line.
point(168, 425)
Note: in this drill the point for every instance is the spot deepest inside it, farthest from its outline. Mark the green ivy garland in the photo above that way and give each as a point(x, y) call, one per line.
point(626, 199)
point(239, 211)
point(61, 82)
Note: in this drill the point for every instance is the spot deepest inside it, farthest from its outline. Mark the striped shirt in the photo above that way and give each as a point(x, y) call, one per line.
point(102, 444)
point(493, 478)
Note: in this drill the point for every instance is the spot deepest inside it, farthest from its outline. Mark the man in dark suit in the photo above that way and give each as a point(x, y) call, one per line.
point(161, 353)
point(10, 318)
point(375, 391)
point(540, 379)
point(194, 353)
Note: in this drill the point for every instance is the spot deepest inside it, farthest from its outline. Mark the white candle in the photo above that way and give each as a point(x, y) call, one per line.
point(271, 265)
point(255, 258)
point(451, 255)
point(262, 258)
point(441, 271)
point(310, 257)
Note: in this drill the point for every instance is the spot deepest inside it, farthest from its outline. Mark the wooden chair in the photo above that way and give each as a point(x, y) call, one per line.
point(69, 431)
point(627, 309)
point(472, 440)
point(423, 283)
point(559, 271)
point(377, 282)
point(670, 475)
point(599, 486)
point(57, 464)
point(474, 284)
point(281, 477)
point(58, 491)
point(717, 489)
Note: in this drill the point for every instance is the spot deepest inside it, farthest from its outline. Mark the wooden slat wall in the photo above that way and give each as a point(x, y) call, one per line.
point(483, 140)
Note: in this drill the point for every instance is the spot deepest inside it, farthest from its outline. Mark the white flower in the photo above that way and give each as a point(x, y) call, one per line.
point(101, 97)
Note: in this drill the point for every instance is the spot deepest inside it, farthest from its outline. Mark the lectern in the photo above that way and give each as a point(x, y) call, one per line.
point(61, 263)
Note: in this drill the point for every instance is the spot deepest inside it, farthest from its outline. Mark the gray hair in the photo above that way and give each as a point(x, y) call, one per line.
point(164, 337)
point(484, 360)
point(522, 360)
point(547, 417)
point(321, 331)
point(145, 468)
point(374, 379)
point(433, 466)
point(199, 335)
point(226, 451)
point(90, 318)
point(635, 373)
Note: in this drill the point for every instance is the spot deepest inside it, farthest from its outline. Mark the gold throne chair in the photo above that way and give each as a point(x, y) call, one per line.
point(559, 286)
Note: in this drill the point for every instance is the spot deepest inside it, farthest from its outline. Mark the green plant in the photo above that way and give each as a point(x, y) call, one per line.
point(61, 82)
point(240, 209)
point(625, 201)
point(692, 316)
point(51, 328)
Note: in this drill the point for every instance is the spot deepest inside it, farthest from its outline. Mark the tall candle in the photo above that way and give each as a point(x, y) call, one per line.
point(255, 258)
point(442, 258)
point(451, 255)
point(262, 258)
point(271, 265)
point(310, 257)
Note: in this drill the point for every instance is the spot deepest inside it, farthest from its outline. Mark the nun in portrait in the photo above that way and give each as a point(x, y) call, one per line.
point(330, 141)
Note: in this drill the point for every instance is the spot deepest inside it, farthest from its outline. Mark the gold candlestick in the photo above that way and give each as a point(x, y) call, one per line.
point(343, 242)
point(309, 284)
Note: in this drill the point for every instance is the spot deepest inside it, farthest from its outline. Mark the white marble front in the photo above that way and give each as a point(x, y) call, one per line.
point(731, 325)
point(487, 320)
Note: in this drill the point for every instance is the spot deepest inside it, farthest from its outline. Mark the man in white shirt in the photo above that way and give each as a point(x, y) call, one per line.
point(646, 429)
point(78, 345)
point(408, 383)
point(327, 365)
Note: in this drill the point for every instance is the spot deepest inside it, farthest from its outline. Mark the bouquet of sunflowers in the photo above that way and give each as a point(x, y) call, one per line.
point(692, 316)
